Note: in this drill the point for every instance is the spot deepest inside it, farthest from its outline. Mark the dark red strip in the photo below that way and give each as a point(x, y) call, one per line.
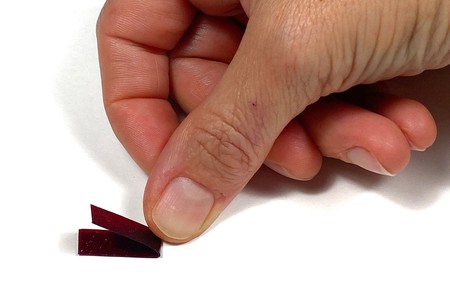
point(124, 237)
point(94, 242)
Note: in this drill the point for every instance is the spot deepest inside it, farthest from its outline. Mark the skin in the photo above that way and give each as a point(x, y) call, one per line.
point(254, 97)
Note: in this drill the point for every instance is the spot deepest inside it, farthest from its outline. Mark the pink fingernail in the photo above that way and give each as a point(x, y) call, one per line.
point(182, 208)
point(366, 160)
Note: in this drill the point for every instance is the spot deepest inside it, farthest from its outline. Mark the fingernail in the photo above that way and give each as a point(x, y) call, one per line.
point(364, 159)
point(182, 208)
point(278, 168)
point(415, 148)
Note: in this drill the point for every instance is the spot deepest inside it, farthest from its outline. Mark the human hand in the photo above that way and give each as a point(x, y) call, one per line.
point(292, 53)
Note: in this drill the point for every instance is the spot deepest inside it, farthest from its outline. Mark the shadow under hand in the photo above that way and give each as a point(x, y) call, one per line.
point(268, 185)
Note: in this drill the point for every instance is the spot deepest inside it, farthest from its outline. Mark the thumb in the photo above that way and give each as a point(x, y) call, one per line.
point(219, 146)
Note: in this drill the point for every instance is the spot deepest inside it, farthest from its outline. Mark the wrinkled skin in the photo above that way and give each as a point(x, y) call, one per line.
point(254, 95)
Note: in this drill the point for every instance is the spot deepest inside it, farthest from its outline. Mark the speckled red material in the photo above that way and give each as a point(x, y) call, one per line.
point(123, 237)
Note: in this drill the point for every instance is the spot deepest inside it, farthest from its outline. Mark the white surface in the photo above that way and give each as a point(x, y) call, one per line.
point(347, 230)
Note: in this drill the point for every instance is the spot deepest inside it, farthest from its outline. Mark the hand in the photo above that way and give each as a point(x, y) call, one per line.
point(292, 53)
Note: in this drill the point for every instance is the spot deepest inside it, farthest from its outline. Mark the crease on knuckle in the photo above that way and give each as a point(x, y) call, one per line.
point(233, 155)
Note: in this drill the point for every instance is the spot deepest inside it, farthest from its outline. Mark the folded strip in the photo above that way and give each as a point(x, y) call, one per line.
point(124, 237)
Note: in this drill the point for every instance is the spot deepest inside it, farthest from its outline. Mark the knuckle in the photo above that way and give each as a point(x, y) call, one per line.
point(229, 153)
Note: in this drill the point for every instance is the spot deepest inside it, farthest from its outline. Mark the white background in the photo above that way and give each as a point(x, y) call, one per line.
point(347, 230)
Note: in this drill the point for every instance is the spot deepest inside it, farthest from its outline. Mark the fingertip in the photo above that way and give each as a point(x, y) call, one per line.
point(384, 150)
point(294, 154)
point(411, 116)
point(417, 123)
point(183, 211)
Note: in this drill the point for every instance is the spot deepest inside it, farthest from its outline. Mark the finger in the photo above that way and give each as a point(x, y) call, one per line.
point(294, 154)
point(412, 117)
point(219, 146)
point(356, 135)
point(200, 59)
point(132, 44)
point(198, 64)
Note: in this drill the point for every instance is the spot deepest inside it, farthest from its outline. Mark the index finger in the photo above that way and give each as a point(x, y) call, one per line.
point(133, 39)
